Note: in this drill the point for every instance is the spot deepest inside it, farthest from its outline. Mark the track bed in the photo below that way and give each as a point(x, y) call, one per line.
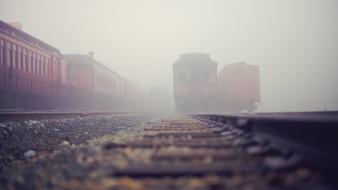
point(178, 152)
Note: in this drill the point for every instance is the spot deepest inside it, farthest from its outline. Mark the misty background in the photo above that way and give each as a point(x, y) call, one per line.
point(295, 42)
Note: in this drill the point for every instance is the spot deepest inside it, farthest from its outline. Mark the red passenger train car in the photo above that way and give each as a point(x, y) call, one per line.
point(94, 85)
point(35, 75)
point(30, 70)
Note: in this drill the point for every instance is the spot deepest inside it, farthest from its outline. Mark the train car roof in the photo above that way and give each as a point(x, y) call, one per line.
point(239, 65)
point(86, 59)
point(195, 57)
point(14, 32)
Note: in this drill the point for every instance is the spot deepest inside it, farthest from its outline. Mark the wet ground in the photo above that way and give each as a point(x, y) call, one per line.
point(133, 152)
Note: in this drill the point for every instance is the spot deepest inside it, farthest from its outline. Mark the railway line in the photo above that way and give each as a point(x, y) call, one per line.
point(247, 151)
point(9, 116)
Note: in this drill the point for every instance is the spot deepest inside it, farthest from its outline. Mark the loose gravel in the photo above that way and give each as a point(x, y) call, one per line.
point(24, 140)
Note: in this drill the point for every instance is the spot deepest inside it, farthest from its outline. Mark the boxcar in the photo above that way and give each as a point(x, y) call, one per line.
point(239, 87)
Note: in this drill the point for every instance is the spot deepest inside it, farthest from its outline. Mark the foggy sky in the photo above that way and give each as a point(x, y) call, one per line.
point(295, 42)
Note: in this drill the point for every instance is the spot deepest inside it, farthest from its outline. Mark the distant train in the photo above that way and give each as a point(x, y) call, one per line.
point(195, 79)
point(35, 75)
point(198, 87)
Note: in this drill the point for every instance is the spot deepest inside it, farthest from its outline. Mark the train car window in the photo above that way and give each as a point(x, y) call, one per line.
point(13, 59)
point(56, 68)
point(42, 67)
point(46, 73)
point(53, 69)
point(8, 57)
point(18, 60)
point(57, 71)
point(30, 64)
point(4, 55)
point(43, 73)
point(45, 69)
point(49, 73)
point(37, 64)
point(27, 60)
point(30, 67)
point(49, 69)
point(1, 55)
point(8, 54)
point(22, 61)
point(35, 71)
point(33, 64)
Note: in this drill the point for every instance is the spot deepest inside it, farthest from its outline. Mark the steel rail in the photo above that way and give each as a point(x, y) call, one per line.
point(313, 134)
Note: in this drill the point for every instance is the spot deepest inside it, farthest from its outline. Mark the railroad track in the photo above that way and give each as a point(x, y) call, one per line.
point(314, 134)
point(201, 152)
point(8, 116)
point(253, 147)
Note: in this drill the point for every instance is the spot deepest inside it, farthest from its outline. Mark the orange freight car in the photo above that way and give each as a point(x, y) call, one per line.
point(239, 87)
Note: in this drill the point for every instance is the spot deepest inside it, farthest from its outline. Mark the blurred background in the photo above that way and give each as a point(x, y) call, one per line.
point(295, 42)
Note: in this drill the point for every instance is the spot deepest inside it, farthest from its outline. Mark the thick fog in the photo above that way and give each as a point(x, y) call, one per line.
point(295, 42)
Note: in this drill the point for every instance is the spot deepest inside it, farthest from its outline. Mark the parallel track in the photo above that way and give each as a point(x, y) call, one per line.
point(9, 116)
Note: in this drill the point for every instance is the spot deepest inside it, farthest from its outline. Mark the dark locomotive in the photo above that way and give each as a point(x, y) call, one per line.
point(195, 76)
